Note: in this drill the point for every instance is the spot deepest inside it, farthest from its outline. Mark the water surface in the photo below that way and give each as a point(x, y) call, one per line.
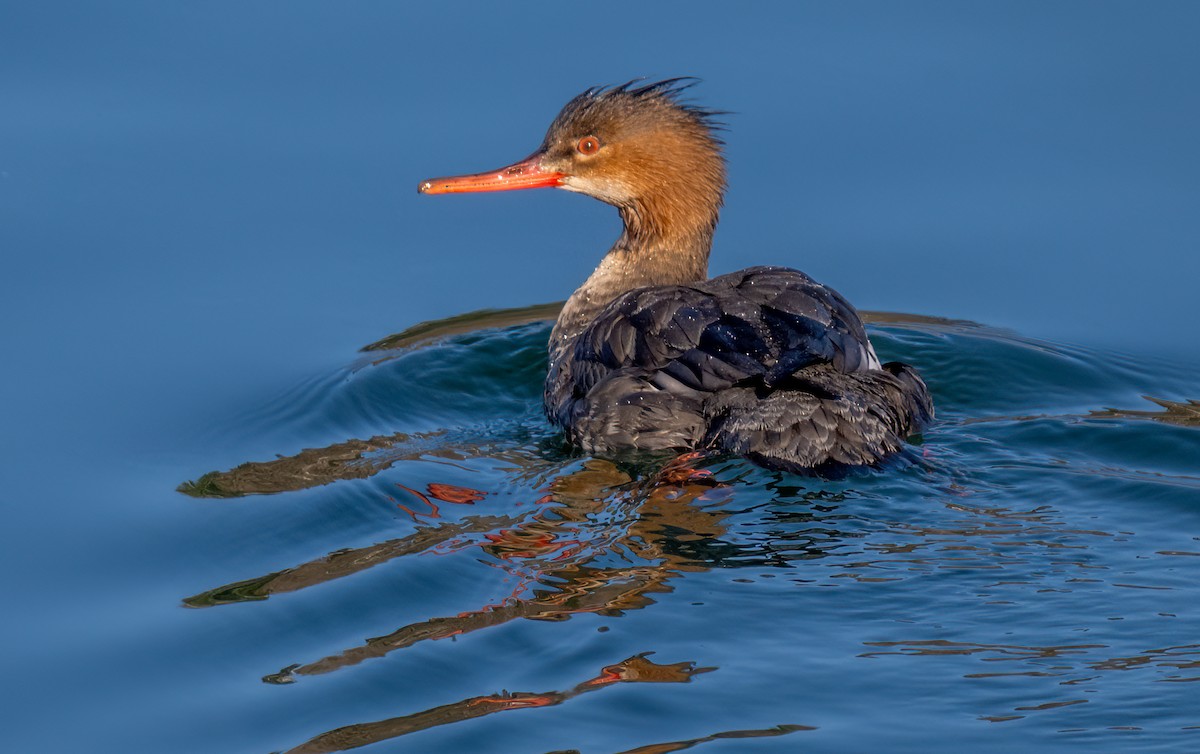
point(206, 210)
point(1026, 573)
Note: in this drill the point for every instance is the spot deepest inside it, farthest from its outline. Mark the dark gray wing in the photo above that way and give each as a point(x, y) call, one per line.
point(766, 321)
point(683, 366)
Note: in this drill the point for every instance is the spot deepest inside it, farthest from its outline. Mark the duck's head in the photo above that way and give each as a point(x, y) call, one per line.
point(639, 148)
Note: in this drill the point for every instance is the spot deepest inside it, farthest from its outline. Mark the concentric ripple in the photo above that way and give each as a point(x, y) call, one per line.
point(1030, 565)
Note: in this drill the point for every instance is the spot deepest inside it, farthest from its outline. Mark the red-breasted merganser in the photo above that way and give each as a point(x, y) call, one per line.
point(650, 353)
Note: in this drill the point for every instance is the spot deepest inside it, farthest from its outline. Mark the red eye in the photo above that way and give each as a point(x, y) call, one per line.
point(588, 145)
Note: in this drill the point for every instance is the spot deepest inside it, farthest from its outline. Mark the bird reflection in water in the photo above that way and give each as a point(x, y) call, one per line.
point(560, 543)
point(636, 669)
point(556, 552)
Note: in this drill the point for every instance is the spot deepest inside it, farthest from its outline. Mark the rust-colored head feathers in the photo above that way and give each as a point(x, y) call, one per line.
point(642, 149)
point(639, 147)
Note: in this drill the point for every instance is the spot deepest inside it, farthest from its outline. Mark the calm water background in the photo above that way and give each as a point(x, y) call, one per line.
point(206, 209)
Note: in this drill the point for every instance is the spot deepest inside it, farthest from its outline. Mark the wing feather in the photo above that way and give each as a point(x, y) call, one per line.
point(763, 361)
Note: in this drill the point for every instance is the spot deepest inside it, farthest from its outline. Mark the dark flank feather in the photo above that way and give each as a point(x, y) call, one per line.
point(763, 362)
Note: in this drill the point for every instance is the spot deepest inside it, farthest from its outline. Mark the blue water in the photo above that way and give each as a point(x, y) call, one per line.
point(206, 211)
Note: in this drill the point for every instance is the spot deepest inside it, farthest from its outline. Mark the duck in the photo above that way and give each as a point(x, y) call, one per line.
point(650, 353)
